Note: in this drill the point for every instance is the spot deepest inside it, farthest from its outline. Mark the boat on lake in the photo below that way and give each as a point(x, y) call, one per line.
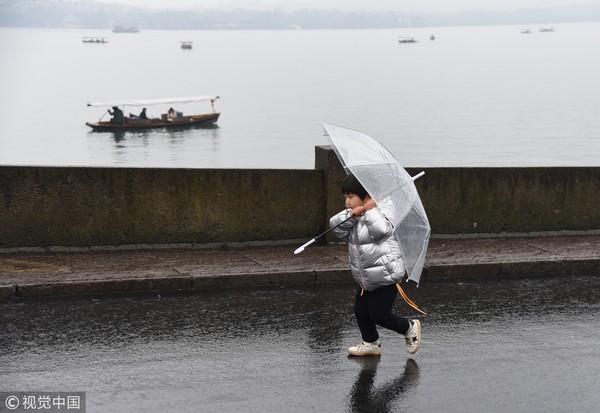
point(407, 40)
point(94, 40)
point(171, 119)
point(546, 29)
point(186, 45)
point(125, 29)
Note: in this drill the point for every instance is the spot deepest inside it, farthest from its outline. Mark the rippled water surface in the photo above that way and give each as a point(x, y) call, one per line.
point(494, 346)
point(476, 96)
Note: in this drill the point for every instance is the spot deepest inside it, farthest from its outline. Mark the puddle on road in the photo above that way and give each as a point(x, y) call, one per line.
point(512, 345)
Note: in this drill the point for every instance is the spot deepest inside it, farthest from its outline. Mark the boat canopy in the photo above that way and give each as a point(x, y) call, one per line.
point(148, 102)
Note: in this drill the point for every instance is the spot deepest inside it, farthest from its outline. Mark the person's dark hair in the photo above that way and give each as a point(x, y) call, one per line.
point(351, 185)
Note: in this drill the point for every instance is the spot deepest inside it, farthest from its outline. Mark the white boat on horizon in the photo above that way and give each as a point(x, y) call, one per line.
point(125, 29)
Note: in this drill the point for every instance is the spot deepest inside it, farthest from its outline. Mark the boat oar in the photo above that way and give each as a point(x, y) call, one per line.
point(301, 248)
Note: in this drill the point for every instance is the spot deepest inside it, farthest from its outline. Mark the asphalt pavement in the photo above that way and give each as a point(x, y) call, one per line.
point(511, 326)
point(488, 345)
point(65, 272)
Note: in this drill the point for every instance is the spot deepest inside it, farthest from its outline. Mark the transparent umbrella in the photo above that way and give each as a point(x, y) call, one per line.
point(391, 187)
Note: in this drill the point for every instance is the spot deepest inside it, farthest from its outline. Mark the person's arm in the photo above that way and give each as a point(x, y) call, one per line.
point(343, 230)
point(378, 225)
point(361, 210)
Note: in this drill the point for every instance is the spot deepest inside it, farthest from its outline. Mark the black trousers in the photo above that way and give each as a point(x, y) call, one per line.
point(374, 308)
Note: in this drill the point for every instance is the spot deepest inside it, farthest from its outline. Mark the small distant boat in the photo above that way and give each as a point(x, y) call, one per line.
point(525, 31)
point(125, 29)
point(546, 29)
point(120, 122)
point(432, 37)
point(407, 40)
point(94, 40)
point(186, 45)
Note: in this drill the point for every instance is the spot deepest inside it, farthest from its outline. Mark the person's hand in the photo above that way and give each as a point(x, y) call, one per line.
point(358, 211)
point(370, 204)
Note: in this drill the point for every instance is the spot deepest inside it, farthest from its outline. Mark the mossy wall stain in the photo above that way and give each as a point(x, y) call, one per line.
point(116, 206)
point(47, 206)
point(494, 200)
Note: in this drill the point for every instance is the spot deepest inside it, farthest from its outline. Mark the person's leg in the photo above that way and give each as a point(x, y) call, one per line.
point(367, 327)
point(370, 345)
point(379, 306)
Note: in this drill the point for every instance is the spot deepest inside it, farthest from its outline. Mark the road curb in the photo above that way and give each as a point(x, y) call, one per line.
point(91, 287)
point(7, 292)
point(188, 282)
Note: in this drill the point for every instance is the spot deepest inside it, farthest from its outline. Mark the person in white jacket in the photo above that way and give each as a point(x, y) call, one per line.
point(376, 264)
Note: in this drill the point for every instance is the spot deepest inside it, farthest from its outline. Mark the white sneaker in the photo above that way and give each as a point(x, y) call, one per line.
point(413, 336)
point(365, 349)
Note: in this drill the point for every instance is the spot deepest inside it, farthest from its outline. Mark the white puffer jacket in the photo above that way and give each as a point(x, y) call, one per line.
point(374, 253)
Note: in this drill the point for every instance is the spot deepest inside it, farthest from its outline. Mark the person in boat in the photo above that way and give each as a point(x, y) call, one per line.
point(376, 265)
point(143, 114)
point(171, 114)
point(117, 115)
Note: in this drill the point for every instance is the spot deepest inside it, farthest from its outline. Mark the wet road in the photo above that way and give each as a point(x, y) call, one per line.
point(495, 346)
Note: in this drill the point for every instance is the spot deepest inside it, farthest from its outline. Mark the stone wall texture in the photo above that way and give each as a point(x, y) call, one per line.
point(80, 206)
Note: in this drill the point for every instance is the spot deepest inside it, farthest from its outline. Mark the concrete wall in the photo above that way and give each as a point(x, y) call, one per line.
point(493, 200)
point(52, 206)
point(62, 206)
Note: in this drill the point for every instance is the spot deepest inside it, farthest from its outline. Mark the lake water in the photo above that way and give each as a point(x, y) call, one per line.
point(475, 96)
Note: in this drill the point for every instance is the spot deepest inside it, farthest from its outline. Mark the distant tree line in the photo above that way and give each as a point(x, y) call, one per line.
point(90, 15)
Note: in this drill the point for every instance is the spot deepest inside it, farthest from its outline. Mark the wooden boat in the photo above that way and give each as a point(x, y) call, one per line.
point(132, 122)
point(186, 45)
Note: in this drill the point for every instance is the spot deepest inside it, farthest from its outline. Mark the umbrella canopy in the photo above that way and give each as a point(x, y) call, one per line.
point(391, 187)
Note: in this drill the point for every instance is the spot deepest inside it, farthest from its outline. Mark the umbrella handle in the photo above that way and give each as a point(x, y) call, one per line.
point(417, 176)
point(302, 247)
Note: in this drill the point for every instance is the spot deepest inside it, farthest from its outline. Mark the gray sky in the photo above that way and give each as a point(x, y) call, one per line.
point(398, 5)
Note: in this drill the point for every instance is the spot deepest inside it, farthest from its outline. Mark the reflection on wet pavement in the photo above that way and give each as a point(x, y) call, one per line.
point(510, 345)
